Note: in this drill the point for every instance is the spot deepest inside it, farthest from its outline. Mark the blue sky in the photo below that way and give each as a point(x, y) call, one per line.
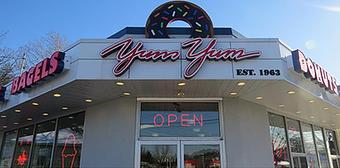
point(310, 25)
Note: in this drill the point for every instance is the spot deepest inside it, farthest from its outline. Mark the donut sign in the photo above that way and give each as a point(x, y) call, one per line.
point(314, 72)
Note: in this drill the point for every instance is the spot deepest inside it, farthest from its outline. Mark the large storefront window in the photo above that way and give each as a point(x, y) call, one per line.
point(23, 147)
point(333, 148)
point(294, 135)
point(70, 140)
point(43, 144)
point(309, 144)
point(321, 147)
point(182, 119)
point(279, 141)
point(7, 149)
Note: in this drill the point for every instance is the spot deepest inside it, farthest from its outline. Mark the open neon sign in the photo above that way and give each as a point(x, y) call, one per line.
point(184, 120)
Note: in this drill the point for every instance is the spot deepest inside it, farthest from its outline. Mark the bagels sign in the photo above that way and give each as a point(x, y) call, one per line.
point(126, 54)
point(314, 71)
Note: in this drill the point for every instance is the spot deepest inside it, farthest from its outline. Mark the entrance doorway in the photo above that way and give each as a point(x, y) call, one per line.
point(180, 154)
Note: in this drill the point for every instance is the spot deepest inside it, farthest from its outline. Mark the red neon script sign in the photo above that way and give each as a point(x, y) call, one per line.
point(69, 152)
point(126, 57)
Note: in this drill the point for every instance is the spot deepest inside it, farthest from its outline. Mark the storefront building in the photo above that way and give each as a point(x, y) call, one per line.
point(198, 97)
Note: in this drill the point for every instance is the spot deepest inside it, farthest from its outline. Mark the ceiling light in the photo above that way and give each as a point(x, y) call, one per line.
point(45, 114)
point(323, 121)
point(333, 124)
point(126, 93)
point(70, 117)
point(5, 126)
point(181, 84)
point(3, 116)
point(64, 108)
point(281, 105)
point(15, 123)
point(291, 92)
point(88, 100)
point(311, 117)
point(298, 112)
point(17, 110)
point(233, 93)
point(311, 101)
point(57, 95)
point(120, 83)
point(338, 114)
point(35, 104)
point(241, 84)
point(259, 98)
point(325, 108)
point(29, 119)
point(180, 94)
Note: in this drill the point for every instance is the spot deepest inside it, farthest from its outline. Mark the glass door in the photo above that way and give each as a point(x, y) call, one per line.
point(180, 154)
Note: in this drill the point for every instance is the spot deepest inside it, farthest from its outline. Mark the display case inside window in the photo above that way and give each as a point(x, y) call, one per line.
point(23, 147)
point(179, 119)
point(69, 141)
point(43, 144)
point(309, 144)
point(7, 150)
point(279, 141)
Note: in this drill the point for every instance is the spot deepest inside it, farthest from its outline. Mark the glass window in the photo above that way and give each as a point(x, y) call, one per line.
point(23, 147)
point(69, 141)
point(308, 141)
point(321, 146)
point(43, 144)
point(184, 119)
point(201, 156)
point(294, 134)
point(279, 141)
point(7, 150)
point(333, 147)
point(160, 156)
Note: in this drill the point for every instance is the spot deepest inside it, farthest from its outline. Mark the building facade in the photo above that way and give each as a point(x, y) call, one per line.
point(153, 96)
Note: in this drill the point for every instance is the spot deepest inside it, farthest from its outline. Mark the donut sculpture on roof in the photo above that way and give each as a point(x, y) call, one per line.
point(190, 13)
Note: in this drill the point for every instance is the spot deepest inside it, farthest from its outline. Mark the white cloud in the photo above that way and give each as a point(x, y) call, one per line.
point(310, 44)
point(332, 8)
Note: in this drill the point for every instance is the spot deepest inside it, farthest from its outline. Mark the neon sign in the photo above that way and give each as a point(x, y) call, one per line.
point(160, 120)
point(314, 71)
point(196, 57)
point(69, 153)
point(45, 68)
point(22, 158)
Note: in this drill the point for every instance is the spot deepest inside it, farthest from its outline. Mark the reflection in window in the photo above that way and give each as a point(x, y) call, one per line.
point(279, 141)
point(70, 140)
point(294, 135)
point(7, 149)
point(43, 144)
point(158, 156)
point(321, 146)
point(333, 147)
point(300, 162)
point(309, 145)
point(23, 147)
point(182, 119)
point(202, 156)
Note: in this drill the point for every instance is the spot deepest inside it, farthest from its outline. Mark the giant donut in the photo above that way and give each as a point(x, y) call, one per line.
point(196, 17)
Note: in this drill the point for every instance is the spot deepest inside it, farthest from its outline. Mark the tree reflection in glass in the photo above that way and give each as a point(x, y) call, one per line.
point(158, 156)
point(202, 156)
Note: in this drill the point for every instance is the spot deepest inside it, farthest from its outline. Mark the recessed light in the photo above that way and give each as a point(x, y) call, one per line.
point(5, 126)
point(311, 101)
point(338, 114)
point(325, 108)
point(311, 117)
point(70, 117)
point(3, 116)
point(120, 83)
point(35, 104)
point(64, 108)
point(17, 110)
point(45, 114)
point(281, 105)
point(180, 94)
point(181, 84)
point(88, 100)
point(298, 112)
point(233, 93)
point(333, 124)
point(323, 121)
point(259, 98)
point(291, 92)
point(241, 84)
point(15, 123)
point(57, 95)
point(126, 93)
point(29, 119)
